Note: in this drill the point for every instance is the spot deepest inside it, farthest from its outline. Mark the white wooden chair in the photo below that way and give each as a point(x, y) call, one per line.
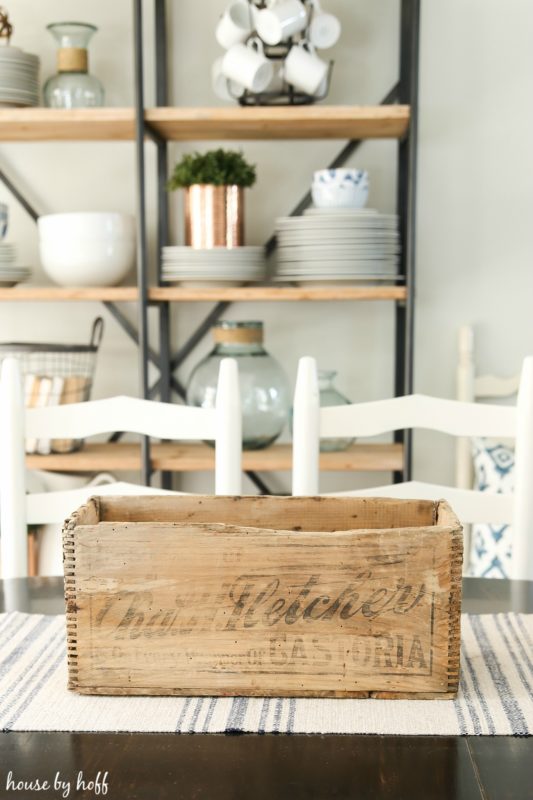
point(310, 423)
point(80, 420)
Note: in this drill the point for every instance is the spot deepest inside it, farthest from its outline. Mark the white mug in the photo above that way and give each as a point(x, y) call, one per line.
point(304, 69)
point(220, 83)
point(324, 29)
point(281, 20)
point(235, 24)
point(248, 66)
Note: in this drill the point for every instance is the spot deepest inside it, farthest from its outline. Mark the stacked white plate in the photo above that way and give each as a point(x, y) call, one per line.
point(219, 266)
point(10, 274)
point(19, 78)
point(334, 245)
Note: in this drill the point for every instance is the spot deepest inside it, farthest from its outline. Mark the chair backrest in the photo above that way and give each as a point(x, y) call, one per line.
point(79, 420)
point(419, 411)
point(471, 387)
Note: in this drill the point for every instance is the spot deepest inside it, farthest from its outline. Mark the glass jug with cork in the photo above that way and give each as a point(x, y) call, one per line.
point(265, 396)
point(73, 87)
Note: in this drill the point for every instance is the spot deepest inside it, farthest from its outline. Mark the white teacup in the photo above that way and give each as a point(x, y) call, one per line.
point(304, 69)
point(324, 29)
point(220, 83)
point(281, 20)
point(235, 24)
point(248, 66)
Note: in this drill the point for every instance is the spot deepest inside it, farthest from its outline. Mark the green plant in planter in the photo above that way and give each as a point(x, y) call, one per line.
point(216, 167)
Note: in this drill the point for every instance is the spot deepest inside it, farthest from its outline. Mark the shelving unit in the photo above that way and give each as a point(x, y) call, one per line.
point(394, 118)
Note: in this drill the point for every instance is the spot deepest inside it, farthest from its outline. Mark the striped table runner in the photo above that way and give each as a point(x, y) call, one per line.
point(496, 694)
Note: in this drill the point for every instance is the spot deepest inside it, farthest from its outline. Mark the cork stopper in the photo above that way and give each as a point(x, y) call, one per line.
point(238, 333)
point(72, 59)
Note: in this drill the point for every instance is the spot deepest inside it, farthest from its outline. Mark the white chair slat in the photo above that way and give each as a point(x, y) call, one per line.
point(46, 508)
point(146, 417)
point(417, 411)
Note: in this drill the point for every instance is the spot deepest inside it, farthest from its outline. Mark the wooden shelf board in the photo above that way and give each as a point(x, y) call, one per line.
point(181, 124)
point(198, 457)
point(277, 293)
point(66, 125)
point(124, 294)
point(113, 294)
point(297, 122)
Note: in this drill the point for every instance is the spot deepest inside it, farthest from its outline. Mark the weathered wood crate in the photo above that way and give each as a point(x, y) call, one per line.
point(267, 596)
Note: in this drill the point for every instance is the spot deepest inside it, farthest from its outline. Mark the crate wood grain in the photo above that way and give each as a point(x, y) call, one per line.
point(264, 596)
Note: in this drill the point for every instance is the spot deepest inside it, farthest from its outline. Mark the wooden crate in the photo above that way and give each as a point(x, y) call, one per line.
point(266, 596)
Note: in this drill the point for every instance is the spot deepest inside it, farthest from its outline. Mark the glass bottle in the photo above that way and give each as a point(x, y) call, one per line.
point(330, 396)
point(264, 388)
point(73, 87)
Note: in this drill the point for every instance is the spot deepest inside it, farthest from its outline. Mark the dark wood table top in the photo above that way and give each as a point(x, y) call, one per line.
point(253, 767)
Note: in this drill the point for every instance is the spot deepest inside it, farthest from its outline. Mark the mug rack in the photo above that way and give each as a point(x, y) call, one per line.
point(287, 95)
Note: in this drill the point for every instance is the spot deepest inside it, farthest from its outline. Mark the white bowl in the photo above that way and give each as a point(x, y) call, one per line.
point(86, 262)
point(340, 188)
point(87, 224)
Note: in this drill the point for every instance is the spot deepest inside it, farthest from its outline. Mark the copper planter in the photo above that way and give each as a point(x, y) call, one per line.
point(214, 216)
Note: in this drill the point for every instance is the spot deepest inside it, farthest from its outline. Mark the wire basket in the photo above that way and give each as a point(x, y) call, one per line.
point(56, 374)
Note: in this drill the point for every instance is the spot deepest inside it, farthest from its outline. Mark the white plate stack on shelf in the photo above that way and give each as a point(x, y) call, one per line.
point(215, 267)
point(337, 246)
point(19, 78)
point(10, 274)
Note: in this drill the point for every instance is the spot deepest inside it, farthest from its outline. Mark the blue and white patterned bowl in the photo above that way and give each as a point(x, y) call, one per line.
point(340, 188)
point(3, 220)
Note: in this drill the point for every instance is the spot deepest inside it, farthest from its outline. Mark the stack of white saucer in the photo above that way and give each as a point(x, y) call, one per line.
point(19, 78)
point(218, 266)
point(10, 274)
point(337, 245)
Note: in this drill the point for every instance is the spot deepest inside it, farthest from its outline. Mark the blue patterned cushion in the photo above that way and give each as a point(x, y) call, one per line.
point(490, 548)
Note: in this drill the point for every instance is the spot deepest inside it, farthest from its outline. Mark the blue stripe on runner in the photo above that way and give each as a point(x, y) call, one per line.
point(20, 682)
point(236, 715)
point(264, 715)
point(470, 707)
point(292, 714)
point(210, 712)
point(25, 687)
point(35, 691)
point(196, 714)
point(41, 624)
point(277, 715)
point(12, 625)
point(508, 701)
point(520, 623)
point(480, 696)
point(523, 652)
point(516, 661)
point(9, 621)
point(185, 706)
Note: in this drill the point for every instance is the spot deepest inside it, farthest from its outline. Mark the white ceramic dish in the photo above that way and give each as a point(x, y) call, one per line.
point(87, 263)
point(87, 225)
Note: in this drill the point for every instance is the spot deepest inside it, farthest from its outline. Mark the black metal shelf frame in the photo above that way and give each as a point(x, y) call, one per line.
point(404, 92)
